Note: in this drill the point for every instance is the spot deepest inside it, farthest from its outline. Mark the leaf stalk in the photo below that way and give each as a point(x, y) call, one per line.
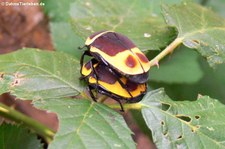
point(18, 117)
point(169, 49)
point(127, 106)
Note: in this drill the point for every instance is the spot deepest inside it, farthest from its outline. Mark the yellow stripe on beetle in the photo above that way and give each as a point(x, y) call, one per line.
point(117, 89)
point(90, 40)
point(119, 61)
point(119, 53)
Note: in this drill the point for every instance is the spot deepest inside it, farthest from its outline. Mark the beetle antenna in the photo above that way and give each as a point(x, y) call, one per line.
point(81, 47)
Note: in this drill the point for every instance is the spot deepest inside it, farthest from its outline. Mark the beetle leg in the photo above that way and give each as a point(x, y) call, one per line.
point(121, 83)
point(121, 106)
point(82, 77)
point(91, 93)
point(95, 76)
point(94, 71)
point(82, 59)
point(114, 97)
point(116, 75)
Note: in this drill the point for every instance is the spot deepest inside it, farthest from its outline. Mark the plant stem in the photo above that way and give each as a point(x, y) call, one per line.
point(18, 117)
point(169, 49)
point(135, 106)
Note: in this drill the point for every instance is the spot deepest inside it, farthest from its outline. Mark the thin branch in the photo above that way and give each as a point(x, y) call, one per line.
point(18, 117)
point(134, 106)
point(169, 49)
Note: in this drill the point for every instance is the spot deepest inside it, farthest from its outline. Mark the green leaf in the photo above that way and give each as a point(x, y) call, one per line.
point(181, 67)
point(17, 137)
point(199, 28)
point(58, 11)
point(65, 40)
point(5, 81)
point(212, 84)
point(133, 20)
point(87, 125)
point(36, 74)
point(184, 124)
point(145, 29)
point(217, 6)
point(63, 37)
point(156, 5)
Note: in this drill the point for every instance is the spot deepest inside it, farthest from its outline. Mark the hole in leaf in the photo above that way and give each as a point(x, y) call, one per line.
point(165, 133)
point(197, 117)
point(196, 41)
point(179, 137)
point(165, 106)
point(162, 123)
point(16, 82)
point(184, 118)
point(195, 128)
point(1, 75)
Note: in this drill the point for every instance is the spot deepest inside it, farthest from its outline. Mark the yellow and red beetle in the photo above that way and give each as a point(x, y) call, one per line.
point(100, 78)
point(118, 53)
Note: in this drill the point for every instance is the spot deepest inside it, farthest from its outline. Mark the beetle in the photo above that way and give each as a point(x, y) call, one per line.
point(89, 67)
point(100, 78)
point(118, 53)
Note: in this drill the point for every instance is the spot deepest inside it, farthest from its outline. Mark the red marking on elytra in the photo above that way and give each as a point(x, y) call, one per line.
point(142, 57)
point(130, 61)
